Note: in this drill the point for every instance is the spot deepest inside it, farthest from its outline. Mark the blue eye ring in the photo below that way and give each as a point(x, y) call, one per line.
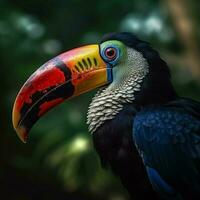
point(111, 54)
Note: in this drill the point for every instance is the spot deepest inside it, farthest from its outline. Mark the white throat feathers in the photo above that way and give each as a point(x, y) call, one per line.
point(108, 102)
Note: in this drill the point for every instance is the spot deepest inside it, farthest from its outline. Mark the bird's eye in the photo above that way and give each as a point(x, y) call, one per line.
point(110, 53)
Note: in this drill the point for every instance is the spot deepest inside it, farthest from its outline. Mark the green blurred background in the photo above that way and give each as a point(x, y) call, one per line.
point(59, 161)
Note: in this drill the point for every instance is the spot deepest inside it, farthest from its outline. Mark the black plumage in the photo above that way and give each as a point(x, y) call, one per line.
point(115, 146)
point(114, 140)
point(168, 140)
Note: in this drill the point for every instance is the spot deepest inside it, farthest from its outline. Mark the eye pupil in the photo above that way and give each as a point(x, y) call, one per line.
point(110, 53)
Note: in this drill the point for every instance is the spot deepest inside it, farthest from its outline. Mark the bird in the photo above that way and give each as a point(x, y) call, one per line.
point(141, 128)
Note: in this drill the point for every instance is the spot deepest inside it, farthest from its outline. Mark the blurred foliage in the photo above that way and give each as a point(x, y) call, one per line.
point(59, 161)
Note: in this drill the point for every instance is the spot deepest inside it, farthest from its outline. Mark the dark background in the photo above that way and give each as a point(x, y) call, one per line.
point(59, 161)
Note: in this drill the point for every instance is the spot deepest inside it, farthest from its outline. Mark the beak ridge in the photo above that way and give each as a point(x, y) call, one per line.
point(69, 74)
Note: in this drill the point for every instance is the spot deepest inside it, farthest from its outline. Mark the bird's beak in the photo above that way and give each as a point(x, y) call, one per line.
point(67, 75)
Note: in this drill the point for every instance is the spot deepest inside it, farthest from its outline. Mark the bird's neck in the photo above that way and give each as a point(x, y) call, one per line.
point(108, 102)
point(138, 90)
point(155, 90)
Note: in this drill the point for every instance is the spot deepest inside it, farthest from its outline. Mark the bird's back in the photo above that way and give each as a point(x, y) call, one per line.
point(168, 139)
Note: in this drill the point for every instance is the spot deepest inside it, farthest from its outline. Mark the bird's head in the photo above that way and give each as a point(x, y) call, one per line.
point(128, 68)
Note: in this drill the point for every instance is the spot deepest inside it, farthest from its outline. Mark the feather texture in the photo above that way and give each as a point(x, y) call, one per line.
point(168, 140)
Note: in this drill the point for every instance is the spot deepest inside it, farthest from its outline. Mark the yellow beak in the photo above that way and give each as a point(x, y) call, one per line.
point(67, 75)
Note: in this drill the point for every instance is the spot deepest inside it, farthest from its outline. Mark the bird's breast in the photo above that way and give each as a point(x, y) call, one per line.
point(114, 143)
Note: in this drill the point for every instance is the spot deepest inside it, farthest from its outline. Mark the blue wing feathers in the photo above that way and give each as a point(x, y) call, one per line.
point(164, 189)
point(158, 183)
point(168, 141)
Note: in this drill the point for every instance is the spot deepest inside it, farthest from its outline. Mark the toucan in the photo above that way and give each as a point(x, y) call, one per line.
point(142, 130)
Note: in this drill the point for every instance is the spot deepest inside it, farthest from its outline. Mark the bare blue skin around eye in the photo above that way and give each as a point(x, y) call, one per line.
point(119, 64)
point(120, 51)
